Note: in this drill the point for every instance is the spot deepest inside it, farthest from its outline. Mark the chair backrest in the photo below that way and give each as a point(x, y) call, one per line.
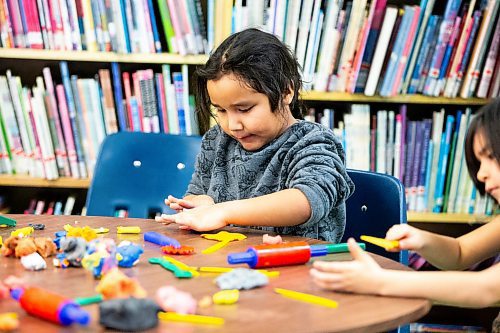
point(136, 171)
point(377, 204)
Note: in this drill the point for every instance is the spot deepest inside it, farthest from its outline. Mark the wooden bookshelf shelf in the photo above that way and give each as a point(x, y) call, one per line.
point(146, 58)
point(408, 99)
point(447, 218)
point(27, 181)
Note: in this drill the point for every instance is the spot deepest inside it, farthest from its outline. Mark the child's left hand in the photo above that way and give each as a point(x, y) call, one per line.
point(203, 218)
point(361, 275)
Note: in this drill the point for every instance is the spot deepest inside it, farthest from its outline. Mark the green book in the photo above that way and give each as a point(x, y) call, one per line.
point(167, 26)
point(451, 162)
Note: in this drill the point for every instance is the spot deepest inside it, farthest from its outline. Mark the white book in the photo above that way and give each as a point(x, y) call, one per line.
point(11, 128)
point(68, 207)
point(314, 34)
point(28, 163)
point(42, 125)
point(459, 162)
point(279, 21)
point(185, 100)
point(381, 141)
point(238, 15)
point(68, 41)
point(437, 131)
point(396, 172)
point(75, 28)
point(173, 120)
point(292, 23)
point(305, 22)
point(488, 15)
point(389, 153)
point(489, 66)
point(326, 48)
point(391, 14)
point(256, 11)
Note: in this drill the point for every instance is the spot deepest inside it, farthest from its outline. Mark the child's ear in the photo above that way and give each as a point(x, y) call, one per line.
point(287, 99)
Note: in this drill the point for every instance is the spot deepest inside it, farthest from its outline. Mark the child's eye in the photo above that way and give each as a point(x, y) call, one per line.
point(221, 110)
point(245, 110)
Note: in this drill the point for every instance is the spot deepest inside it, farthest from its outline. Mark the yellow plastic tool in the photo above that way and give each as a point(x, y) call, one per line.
point(190, 318)
point(385, 243)
point(224, 238)
point(128, 230)
point(1, 242)
point(308, 298)
point(182, 265)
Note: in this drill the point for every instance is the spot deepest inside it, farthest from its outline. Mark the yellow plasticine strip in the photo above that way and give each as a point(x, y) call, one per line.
point(1, 242)
point(190, 318)
point(26, 231)
point(128, 230)
point(385, 243)
point(308, 298)
point(181, 265)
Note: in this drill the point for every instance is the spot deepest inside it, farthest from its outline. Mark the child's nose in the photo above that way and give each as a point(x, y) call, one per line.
point(234, 123)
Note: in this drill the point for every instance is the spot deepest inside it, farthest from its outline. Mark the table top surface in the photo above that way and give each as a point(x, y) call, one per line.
point(257, 309)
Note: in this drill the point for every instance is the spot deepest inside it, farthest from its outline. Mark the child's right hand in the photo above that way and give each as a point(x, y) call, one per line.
point(409, 238)
point(191, 202)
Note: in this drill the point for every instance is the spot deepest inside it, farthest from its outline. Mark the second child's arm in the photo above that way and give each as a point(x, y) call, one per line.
point(447, 252)
point(363, 275)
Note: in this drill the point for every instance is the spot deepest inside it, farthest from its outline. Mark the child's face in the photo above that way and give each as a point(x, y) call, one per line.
point(489, 171)
point(245, 114)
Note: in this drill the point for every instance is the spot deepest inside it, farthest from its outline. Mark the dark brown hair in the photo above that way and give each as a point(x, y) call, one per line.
point(487, 122)
point(261, 61)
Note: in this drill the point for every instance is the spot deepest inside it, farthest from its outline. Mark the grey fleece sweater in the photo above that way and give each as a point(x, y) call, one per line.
point(307, 156)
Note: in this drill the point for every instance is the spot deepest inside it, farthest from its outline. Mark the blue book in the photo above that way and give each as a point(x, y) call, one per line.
point(428, 166)
point(117, 89)
point(424, 50)
point(426, 139)
point(409, 160)
point(24, 23)
point(445, 31)
point(179, 91)
point(154, 27)
point(428, 58)
point(397, 51)
point(125, 30)
point(451, 161)
point(443, 162)
point(136, 119)
point(77, 136)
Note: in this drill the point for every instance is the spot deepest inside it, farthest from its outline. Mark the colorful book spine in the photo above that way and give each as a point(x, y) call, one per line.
point(443, 162)
point(179, 91)
point(117, 89)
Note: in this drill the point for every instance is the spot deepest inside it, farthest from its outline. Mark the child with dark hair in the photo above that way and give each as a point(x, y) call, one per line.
point(469, 289)
point(261, 165)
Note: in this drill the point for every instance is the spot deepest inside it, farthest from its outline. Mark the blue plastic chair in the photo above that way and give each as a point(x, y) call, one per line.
point(377, 204)
point(136, 171)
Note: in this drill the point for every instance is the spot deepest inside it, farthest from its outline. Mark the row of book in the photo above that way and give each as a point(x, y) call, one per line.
point(352, 46)
point(56, 128)
point(426, 155)
point(58, 207)
point(125, 26)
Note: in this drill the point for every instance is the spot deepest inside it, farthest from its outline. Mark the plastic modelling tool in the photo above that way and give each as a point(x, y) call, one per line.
point(50, 306)
point(336, 248)
point(7, 221)
point(190, 318)
point(385, 243)
point(308, 298)
point(178, 273)
point(88, 300)
point(272, 255)
point(224, 238)
point(160, 239)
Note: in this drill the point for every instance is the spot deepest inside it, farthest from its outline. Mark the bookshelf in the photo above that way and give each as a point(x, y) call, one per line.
point(28, 63)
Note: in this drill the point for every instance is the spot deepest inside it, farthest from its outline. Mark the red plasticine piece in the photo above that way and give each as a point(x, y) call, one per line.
point(183, 250)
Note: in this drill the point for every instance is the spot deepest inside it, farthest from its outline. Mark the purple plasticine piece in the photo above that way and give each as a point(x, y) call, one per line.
point(161, 239)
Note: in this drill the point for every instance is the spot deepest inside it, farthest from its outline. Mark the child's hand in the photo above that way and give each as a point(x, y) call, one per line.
point(202, 218)
point(409, 238)
point(187, 203)
point(361, 275)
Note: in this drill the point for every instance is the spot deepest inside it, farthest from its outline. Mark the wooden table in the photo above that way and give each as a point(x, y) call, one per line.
point(258, 310)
